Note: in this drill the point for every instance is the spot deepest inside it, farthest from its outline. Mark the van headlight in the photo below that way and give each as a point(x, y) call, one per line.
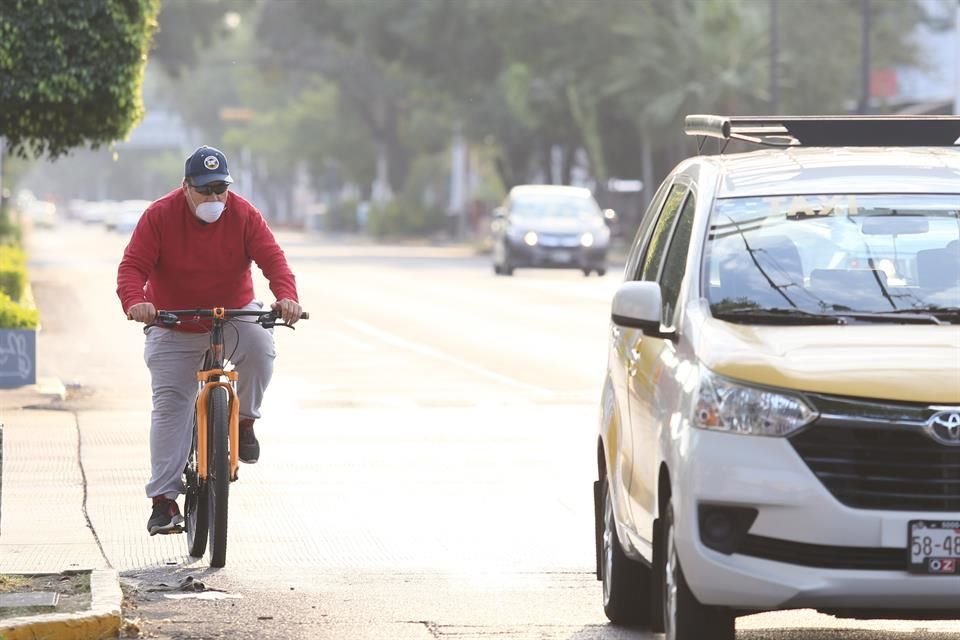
point(725, 405)
point(586, 239)
point(530, 238)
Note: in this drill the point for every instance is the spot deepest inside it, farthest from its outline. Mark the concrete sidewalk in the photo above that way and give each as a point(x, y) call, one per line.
point(44, 528)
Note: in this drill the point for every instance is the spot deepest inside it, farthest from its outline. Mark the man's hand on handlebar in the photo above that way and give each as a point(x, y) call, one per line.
point(142, 312)
point(289, 310)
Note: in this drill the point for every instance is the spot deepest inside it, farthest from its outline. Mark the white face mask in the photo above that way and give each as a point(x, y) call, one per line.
point(209, 211)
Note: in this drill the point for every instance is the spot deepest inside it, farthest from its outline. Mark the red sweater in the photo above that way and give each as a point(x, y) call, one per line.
point(176, 261)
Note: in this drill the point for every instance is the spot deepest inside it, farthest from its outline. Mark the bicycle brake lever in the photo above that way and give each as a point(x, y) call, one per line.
point(273, 324)
point(162, 320)
point(167, 319)
point(269, 320)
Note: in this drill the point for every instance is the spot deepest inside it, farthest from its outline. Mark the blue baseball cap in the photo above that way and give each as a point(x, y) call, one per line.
point(206, 165)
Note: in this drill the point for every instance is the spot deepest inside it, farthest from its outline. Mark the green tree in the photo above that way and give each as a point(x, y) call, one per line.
point(271, 119)
point(713, 56)
point(343, 84)
point(192, 30)
point(347, 43)
point(71, 71)
point(676, 58)
point(821, 46)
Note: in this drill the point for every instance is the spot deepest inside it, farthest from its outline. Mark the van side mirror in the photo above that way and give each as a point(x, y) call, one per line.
point(637, 305)
point(499, 212)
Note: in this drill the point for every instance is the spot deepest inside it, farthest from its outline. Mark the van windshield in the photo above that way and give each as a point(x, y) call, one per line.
point(870, 254)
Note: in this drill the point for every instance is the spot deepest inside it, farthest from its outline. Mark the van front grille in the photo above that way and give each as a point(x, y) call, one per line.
point(871, 466)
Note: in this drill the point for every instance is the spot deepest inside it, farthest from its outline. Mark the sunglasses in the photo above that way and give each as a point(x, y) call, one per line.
point(215, 187)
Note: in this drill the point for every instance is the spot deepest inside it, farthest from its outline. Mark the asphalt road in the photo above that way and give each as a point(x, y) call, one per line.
point(428, 451)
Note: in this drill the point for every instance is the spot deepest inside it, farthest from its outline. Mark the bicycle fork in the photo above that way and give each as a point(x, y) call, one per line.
point(234, 420)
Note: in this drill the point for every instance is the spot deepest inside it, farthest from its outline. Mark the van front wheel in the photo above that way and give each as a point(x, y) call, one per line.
point(684, 617)
point(626, 582)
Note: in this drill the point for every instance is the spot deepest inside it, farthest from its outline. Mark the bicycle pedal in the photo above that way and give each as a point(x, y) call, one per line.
point(176, 529)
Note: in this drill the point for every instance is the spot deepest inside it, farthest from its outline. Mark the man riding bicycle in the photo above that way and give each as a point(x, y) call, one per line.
point(192, 249)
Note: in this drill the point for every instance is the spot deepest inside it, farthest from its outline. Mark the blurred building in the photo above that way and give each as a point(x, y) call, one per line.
point(160, 130)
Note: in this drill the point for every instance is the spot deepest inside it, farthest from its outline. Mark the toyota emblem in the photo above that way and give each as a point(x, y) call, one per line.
point(944, 427)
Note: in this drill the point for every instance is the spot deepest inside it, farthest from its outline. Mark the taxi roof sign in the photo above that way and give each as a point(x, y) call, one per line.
point(829, 131)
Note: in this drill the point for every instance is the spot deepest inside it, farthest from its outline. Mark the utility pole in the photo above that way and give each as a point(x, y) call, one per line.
point(457, 206)
point(956, 72)
point(775, 57)
point(864, 106)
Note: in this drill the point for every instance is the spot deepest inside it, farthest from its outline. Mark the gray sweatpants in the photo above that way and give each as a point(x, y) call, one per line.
point(174, 357)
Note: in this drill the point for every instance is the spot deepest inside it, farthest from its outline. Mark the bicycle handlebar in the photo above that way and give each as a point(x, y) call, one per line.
point(266, 319)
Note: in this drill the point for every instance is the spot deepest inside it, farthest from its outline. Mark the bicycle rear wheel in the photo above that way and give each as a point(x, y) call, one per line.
point(195, 505)
point(218, 473)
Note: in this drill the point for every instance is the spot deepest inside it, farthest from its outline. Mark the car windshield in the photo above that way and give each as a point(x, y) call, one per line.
point(879, 255)
point(554, 206)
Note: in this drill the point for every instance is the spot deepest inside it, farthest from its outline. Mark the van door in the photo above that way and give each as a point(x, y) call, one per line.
point(619, 439)
point(649, 358)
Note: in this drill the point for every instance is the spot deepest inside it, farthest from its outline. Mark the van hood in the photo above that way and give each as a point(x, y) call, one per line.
point(909, 363)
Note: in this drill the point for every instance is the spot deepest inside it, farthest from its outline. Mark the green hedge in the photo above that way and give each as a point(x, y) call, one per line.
point(17, 316)
point(9, 231)
point(417, 211)
point(14, 279)
point(13, 272)
point(342, 216)
point(402, 218)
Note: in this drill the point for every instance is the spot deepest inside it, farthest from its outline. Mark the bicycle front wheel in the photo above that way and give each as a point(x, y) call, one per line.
point(195, 505)
point(218, 472)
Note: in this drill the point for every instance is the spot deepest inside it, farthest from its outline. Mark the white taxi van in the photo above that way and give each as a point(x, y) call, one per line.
point(780, 419)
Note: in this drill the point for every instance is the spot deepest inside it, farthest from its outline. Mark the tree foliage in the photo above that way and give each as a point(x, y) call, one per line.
point(341, 84)
point(821, 59)
point(600, 75)
point(189, 30)
point(71, 71)
point(346, 43)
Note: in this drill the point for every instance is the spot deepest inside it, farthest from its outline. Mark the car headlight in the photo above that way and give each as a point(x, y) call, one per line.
point(600, 236)
point(586, 239)
point(724, 405)
point(530, 238)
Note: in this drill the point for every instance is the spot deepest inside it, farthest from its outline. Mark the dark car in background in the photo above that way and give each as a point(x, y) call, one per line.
point(550, 226)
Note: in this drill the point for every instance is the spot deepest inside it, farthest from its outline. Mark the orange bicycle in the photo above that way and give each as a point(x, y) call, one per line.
point(213, 459)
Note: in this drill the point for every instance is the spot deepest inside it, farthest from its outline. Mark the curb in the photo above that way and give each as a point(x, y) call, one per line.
point(50, 387)
point(99, 622)
point(46, 390)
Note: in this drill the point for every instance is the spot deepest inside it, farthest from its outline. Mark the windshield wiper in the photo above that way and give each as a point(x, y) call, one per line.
point(779, 316)
point(919, 315)
point(950, 312)
point(932, 313)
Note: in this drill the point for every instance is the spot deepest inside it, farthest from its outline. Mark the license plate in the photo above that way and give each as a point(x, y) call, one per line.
point(934, 547)
point(561, 256)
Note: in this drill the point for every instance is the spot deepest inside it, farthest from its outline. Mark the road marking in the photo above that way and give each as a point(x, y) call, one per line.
point(422, 349)
point(336, 337)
